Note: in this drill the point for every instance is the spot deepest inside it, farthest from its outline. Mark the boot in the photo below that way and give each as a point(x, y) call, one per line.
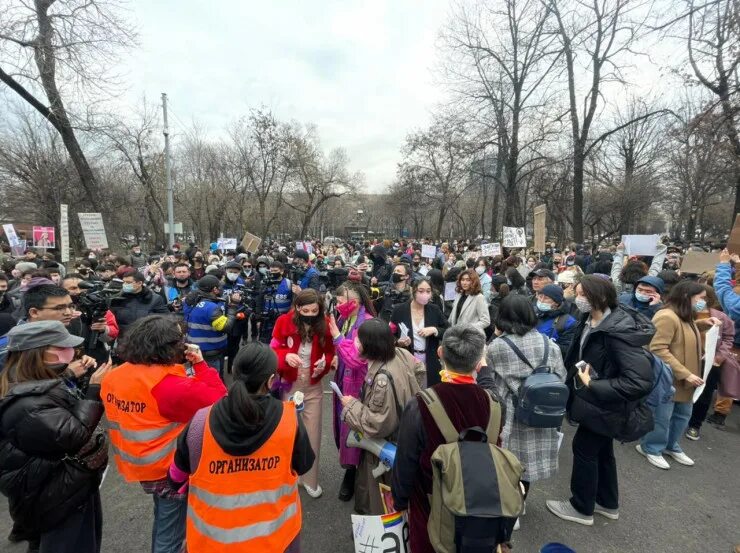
point(347, 489)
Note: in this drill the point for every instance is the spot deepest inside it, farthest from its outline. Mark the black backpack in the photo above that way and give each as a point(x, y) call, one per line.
point(542, 398)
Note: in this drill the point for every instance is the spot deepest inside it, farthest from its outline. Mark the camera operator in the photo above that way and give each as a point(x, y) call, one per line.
point(97, 333)
point(283, 298)
point(234, 283)
point(304, 275)
point(178, 287)
point(136, 301)
point(208, 321)
point(396, 292)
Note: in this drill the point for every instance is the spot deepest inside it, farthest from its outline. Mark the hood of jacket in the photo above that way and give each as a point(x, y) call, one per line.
point(379, 252)
point(628, 325)
point(239, 440)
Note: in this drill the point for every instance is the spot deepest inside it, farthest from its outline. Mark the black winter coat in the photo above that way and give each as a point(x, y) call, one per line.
point(41, 423)
point(613, 404)
point(129, 308)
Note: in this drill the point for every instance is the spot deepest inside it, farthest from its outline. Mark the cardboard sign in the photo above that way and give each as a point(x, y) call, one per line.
point(514, 237)
point(64, 232)
point(13, 239)
point(44, 237)
point(696, 263)
point(251, 243)
point(226, 244)
point(641, 244)
point(733, 244)
point(93, 230)
point(490, 250)
point(378, 534)
point(428, 251)
point(540, 231)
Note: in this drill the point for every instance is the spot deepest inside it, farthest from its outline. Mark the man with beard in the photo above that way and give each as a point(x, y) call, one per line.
point(178, 287)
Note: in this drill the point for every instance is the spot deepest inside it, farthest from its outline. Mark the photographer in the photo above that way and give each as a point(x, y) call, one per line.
point(304, 275)
point(208, 322)
point(98, 331)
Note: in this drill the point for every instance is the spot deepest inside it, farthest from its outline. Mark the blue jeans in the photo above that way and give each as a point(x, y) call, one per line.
point(168, 532)
point(671, 420)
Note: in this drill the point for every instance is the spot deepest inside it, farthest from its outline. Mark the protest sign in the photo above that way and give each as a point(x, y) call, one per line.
point(19, 249)
point(381, 533)
point(696, 263)
point(733, 244)
point(450, 291)
point(226, 244)
point(44, 237)
point(640, 244)
point(64, 232)
point(306, 246)
point(514, 237)
point(11, 235)
point(710, 348)
point(540, 230)
point(251, 243)
point(490, 250)
point(93, 230)
point(428, 251)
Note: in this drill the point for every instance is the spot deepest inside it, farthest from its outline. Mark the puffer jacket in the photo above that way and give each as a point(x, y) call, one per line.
point(613, 405)
point(129, 308)
point(42, 424)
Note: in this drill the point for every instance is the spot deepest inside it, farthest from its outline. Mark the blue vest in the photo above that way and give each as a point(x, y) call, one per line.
point(546, 326)
point(307, 278)
point(173, 292)
point(200, 331)
point(283, 296)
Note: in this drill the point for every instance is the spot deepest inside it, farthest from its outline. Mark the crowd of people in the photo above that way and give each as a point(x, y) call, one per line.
point(201, 373)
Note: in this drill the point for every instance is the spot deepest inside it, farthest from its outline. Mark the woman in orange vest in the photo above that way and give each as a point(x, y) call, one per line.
point(148, 400)
point(242, 457)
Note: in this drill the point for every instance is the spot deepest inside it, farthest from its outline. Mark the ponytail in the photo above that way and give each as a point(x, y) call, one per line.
point(242, 407)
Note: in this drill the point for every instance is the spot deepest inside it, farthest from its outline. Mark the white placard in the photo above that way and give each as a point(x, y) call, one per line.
point(64, 231)
point(515, 237)
point(93, 230)
point(226, 244)
point(710, 349)
point(491, 249)
point(450, 291)
point(13, 239)
point(640, 244)
point(428, 251)
point(376, 534)
point(306, 246)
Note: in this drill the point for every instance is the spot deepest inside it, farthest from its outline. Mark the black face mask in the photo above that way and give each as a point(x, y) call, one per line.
point(182, 280)
point(308, 319)
point(396, 278)
point(416, 264)
point(276, 276)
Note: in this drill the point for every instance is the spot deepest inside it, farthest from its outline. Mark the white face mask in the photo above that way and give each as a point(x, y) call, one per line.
point(480, 270)
point(232, 276)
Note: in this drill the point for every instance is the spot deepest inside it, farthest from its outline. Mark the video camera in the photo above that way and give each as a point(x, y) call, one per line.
point(94, 303)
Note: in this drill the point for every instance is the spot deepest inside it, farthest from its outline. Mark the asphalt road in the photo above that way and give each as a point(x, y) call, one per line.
point(685, 509)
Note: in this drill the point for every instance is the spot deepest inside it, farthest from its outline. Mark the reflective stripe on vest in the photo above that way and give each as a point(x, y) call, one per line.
point(245, 503)
point(199, 329)
point(143, 441)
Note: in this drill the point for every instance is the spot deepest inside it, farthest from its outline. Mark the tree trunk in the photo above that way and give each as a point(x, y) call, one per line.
point(578, 169)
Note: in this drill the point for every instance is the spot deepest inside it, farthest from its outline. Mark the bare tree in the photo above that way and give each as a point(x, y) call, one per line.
point(49, 43)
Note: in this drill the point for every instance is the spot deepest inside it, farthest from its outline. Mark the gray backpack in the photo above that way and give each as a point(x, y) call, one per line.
point(472, 483)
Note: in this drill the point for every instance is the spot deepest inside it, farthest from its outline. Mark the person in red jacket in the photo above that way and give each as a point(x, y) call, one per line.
point(303, 343)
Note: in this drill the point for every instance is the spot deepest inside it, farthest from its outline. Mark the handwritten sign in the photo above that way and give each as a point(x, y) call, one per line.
point(428, 251)
point(514, 237)
point(93, 230)
point(490, 250)
point(13, 239)
point(376, 534)
point(251, 243)
point(226, 244)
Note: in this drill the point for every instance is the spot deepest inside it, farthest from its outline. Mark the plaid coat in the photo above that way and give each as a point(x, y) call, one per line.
point(536, 448)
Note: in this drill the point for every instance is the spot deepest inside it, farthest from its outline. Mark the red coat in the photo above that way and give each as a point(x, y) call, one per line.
point(285, 340)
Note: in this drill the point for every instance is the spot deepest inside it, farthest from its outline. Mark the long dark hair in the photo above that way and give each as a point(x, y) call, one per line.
point(154, 340)
point(253, 366)
point(679, 300)
point(318, 328)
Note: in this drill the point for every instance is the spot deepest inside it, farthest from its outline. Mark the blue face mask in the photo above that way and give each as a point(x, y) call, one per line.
point(701, 305)
point(127, 288)
point(642, 298)
point(544, 307)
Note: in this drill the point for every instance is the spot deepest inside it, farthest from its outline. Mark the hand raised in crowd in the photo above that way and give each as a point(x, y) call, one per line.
point(655, 298)
point(724, 256)
point(80, 366)
point(296, 289)
point(99, 374)
point(333, 328)
point(99, 326)
point(193, 354)
point(293, 360)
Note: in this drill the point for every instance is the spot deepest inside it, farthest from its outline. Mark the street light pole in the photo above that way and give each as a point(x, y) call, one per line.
point(168, 175)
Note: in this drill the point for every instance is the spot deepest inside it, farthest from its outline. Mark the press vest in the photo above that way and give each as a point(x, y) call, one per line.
point(142, 440)
point(200, 331)
point(246, 503)
point(283, 296)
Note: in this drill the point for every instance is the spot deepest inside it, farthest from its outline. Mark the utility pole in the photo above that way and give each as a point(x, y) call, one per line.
point(167, 174)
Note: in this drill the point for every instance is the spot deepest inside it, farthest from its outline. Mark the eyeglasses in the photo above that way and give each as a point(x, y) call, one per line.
point(60, 308)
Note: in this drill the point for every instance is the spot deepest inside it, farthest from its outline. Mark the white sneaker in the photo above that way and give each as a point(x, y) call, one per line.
point(516, 525)
point(318, 492)
point(680, 457)
point(655, 460)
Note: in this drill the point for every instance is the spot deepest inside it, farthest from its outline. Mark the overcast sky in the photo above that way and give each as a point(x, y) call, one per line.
point(361, 71)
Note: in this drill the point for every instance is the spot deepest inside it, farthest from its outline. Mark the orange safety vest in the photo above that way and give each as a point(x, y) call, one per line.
point(245, 503)
point(143, 441)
